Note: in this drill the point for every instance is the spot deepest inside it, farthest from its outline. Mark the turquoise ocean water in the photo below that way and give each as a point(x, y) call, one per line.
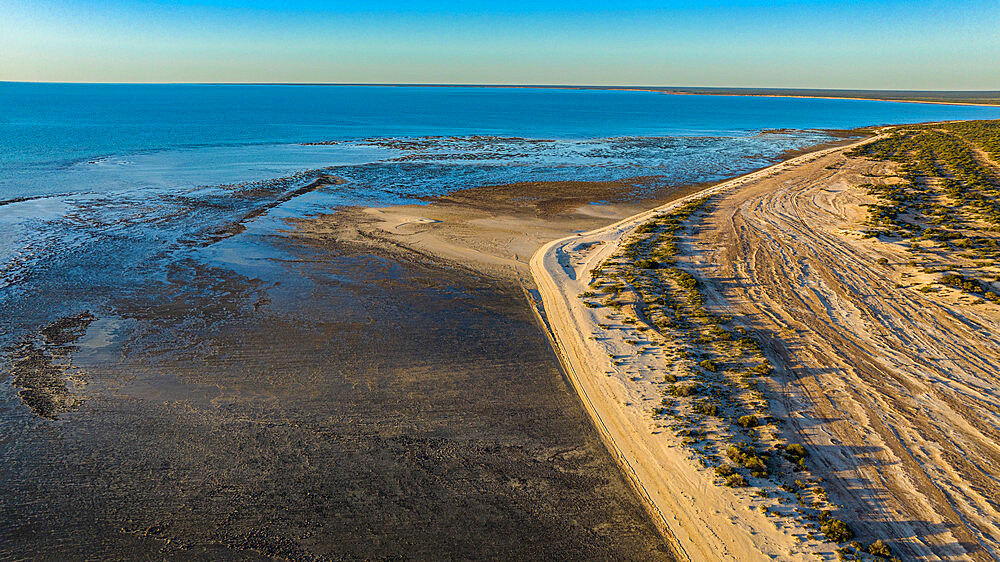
point(76, 138)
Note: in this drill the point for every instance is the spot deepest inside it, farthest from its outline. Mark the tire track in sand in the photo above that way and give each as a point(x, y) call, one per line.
point(897, 392)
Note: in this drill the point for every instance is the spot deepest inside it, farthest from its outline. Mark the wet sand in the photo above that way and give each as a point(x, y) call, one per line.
point(335, 397)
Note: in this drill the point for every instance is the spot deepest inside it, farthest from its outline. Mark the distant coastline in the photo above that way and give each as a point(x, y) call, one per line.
point(979, 98)
point(986, 98)
point(845, 97)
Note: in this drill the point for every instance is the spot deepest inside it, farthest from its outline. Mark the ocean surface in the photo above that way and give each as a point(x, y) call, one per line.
point(76, 138)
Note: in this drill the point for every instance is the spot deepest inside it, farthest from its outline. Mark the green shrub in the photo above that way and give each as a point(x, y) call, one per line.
point(794, 452)
point(746, 422)
point(747, 343)
point(836, 530)
point(724, 470)
point(683, 389)
point(704, 408)
point(745, 456)
point(685, 279)
point(736, 481)
point(963, 283)
point(879, 548)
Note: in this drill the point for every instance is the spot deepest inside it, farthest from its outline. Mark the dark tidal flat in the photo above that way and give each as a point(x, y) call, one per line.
point(346, 403)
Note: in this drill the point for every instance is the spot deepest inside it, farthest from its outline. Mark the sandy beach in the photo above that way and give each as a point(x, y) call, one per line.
point(895, 386)
point(893, 390)
point(703, 521)
point(656, 282)
point(358, 381)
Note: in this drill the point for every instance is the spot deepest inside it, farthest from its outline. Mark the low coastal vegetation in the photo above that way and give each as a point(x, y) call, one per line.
point(937, 196)
point(713, 388)
point(942, 204)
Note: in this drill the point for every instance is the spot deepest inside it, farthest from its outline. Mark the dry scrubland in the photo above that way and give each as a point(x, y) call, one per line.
point(805, 367)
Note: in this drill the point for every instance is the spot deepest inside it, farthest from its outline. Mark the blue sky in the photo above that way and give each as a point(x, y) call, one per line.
point(884, 44)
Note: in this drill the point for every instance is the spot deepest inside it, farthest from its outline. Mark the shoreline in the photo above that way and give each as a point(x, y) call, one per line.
point(665, 91)
point(495, 229)
point(567, 323)
point(482, 231)
point(650, 89)
point(892, 100)
point(388, 340)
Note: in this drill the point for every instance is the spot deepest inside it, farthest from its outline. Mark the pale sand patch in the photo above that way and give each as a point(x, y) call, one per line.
point(489, 236)
point(460, 237)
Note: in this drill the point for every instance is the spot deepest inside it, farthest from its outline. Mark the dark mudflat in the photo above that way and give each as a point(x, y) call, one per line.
point(327, 401)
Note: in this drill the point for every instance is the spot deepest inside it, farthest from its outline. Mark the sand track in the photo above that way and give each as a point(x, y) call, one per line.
point(898, 388)
point(895, 392)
